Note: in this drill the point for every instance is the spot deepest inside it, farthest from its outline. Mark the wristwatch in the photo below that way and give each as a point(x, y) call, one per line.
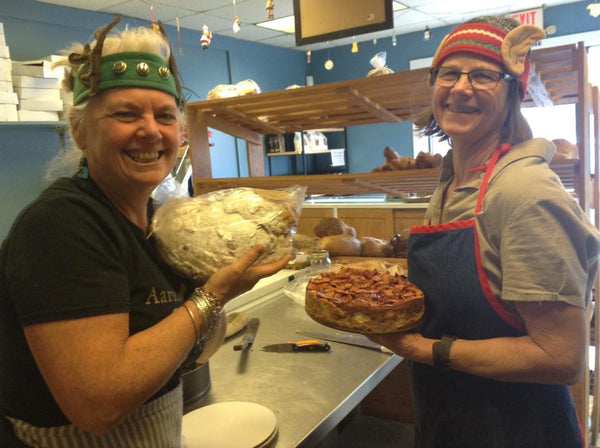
point(441, 352)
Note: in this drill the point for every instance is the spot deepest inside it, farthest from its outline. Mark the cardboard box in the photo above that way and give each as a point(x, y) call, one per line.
point(32, 81)
point(5, 73)
point(35, 104)
point(6, 86)
point(38, 94)
point(8, 98)
point(37, 115)
point(8, 112)
point(41, 68)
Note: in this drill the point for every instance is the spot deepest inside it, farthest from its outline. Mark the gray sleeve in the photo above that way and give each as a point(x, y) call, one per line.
point(549, 252)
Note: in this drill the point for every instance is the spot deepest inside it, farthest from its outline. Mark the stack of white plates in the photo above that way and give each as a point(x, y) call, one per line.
point(231, 424)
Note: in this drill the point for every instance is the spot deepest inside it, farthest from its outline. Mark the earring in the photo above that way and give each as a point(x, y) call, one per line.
point(82, 172)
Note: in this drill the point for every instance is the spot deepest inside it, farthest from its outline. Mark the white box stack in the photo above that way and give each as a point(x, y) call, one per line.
point(8, 98)
point(37, 85)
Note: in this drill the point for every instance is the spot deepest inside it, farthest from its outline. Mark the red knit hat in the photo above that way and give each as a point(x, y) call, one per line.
point(481, 39)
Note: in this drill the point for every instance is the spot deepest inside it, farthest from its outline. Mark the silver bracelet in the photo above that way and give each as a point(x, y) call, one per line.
point(209, 308)
point(196, 325)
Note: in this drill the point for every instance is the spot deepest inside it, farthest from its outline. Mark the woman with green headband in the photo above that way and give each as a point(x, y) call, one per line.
point(94, 328)
point(506, 259)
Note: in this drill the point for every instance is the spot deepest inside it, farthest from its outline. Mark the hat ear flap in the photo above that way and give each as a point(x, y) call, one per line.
point(438, 52)
point(516, 46)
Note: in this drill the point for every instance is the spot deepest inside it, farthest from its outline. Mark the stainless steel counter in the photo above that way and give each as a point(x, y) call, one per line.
point(310, 393)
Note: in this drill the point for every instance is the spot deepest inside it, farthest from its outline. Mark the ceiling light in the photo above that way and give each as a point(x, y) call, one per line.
point(397, 6)
point(283, 24)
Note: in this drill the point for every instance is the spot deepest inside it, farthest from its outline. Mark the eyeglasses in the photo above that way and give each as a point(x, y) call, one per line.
point(480, 79)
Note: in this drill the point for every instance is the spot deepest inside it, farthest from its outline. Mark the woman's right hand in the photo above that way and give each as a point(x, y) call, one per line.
point(241, 275)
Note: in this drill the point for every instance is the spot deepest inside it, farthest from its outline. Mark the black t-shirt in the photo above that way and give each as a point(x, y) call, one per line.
point(71, 254)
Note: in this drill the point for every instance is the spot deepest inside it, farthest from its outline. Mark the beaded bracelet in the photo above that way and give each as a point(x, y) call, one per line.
point(209, 307)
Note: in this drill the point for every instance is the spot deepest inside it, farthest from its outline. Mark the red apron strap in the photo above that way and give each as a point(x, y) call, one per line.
point(499, 152)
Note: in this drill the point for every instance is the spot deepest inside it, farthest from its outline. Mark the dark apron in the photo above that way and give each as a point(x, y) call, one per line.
point(454, 409)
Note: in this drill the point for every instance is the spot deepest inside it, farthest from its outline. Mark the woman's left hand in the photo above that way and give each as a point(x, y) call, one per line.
point(411, 346)
point(408, 345)
point(241, 275)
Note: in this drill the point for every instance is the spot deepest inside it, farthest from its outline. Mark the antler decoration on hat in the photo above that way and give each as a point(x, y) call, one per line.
point(516, 46)
point(91, 77)
point(172, 63)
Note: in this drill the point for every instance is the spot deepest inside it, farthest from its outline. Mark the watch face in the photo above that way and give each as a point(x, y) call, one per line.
point(328, 64)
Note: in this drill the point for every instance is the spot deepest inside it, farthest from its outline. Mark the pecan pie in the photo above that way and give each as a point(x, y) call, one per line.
point(364, 301)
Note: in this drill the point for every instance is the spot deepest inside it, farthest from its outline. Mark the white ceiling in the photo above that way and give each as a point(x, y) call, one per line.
point(218, 15)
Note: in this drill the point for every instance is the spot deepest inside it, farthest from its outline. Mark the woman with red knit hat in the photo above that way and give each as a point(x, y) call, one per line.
point(506, 259)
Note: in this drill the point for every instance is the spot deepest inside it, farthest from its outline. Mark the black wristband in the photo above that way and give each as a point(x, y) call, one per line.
point(441, 352)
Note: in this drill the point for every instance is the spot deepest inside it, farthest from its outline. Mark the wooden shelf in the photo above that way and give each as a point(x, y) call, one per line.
point(395, 183)
point(284, 153)
point(299, 153)
point(560, 72)
point(390, 98)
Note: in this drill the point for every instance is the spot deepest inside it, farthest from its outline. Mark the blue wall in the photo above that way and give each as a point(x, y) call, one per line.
point(34, 29)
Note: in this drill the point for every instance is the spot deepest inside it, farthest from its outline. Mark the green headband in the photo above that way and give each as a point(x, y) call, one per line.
point(130, 69)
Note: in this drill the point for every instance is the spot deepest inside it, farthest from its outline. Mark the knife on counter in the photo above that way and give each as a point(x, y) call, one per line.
point(299, 346)
point(249, 335)
point(357, 340)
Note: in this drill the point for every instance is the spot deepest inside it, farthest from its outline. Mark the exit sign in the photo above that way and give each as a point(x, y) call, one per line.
point(529, 17)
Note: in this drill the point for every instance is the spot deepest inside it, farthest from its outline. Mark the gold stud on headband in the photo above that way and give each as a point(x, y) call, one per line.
point(120, 67)
point(164, 72)
point(143, 69)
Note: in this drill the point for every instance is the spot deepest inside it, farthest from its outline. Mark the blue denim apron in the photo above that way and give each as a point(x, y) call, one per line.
point(454, 409)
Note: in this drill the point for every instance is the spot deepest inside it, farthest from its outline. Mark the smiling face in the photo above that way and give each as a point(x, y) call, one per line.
point(130, 138)
point(470, 117)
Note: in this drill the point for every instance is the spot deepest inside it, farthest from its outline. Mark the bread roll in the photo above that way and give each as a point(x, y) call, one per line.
point(341, 245)
point(390, 154)
point(565, 150)
point(403, 163)
point(427, 160)
point(374, 247)
point(305, 243)
point(333, 226)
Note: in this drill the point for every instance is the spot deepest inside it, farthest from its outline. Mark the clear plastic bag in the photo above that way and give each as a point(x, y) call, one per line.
point(170, 188)
point(199, 235)
point(296, 289)
point(378, 61)
point(245, 87)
